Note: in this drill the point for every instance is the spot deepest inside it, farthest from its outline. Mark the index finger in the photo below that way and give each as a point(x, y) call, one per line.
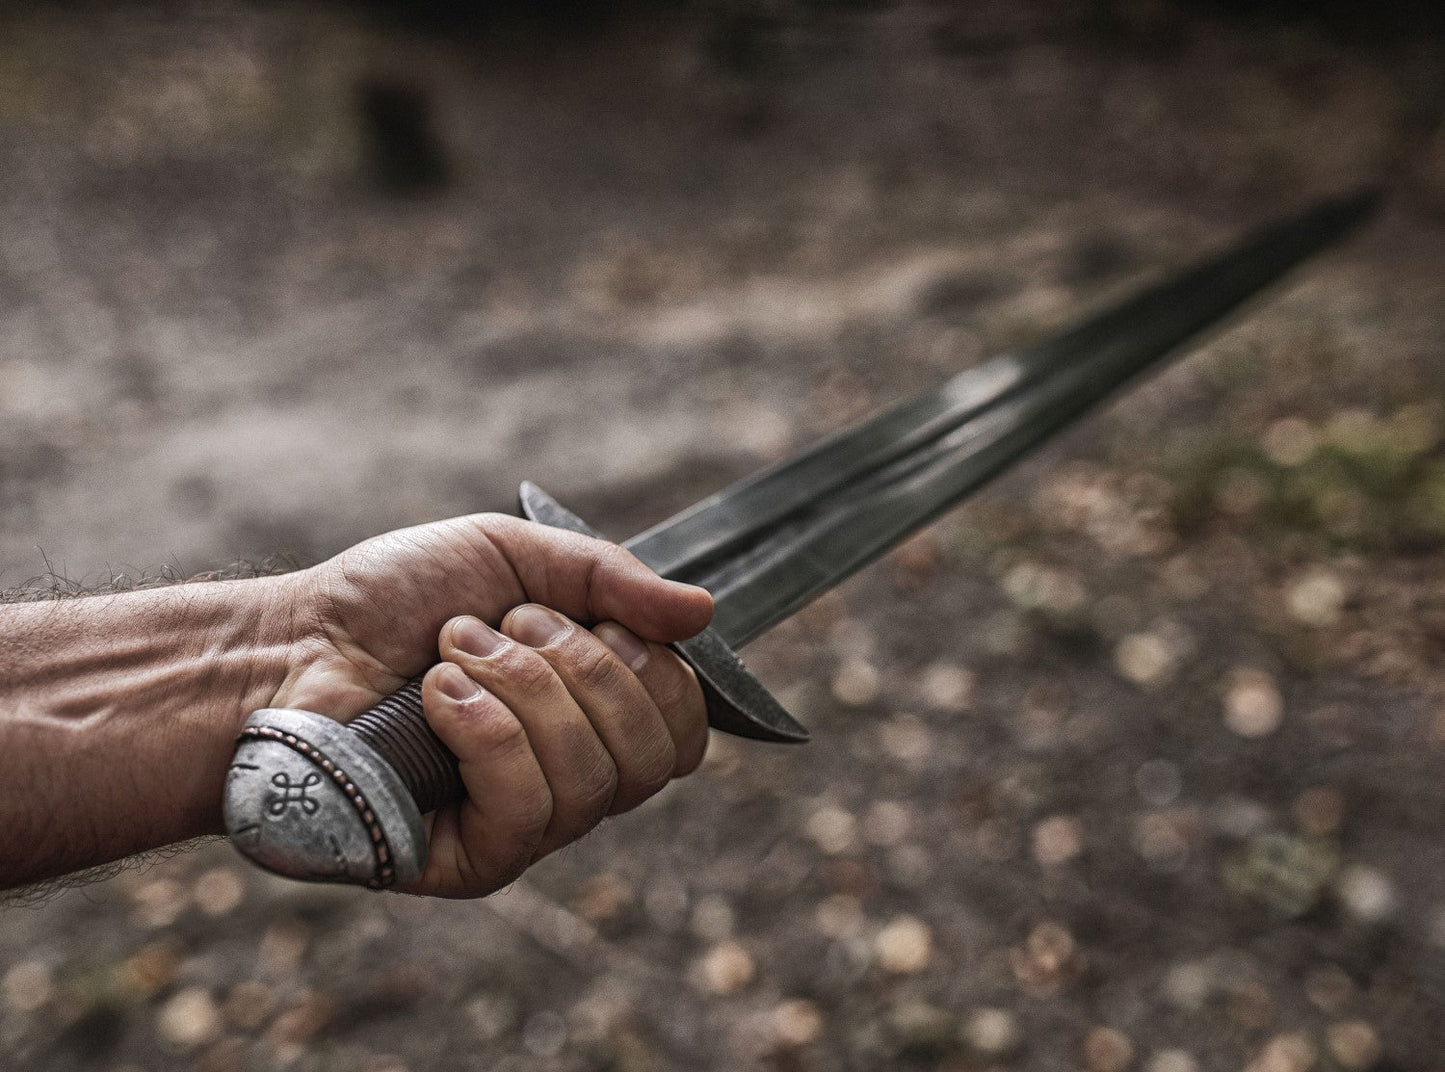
point(592, 580)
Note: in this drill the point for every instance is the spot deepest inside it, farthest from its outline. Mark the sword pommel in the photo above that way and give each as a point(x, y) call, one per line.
point(309, 798)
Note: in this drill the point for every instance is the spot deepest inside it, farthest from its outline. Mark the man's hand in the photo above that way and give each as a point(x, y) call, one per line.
point(555, 726)
point(118, 713)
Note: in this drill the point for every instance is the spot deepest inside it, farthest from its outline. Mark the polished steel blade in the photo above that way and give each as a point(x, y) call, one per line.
point(770, 544)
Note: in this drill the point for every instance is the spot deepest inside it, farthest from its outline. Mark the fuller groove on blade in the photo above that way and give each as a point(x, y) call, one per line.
point(767, 546)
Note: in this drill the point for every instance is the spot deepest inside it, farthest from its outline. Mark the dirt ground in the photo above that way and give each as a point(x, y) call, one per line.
point(1137, 761)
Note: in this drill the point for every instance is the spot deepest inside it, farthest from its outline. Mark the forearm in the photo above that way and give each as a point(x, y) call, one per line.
point(118, 714)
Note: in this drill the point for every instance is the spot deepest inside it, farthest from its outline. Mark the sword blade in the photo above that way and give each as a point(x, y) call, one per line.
point(764, 549)
point(767, 546)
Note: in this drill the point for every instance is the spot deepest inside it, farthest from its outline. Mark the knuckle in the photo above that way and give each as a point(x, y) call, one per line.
point(589, 798)
point(655, 769)
point(666, 763)
point(528, 817)
point(583, 780)
point(497, 729)
point(652, 770)
point(674, 686)
point(525, 669)
point(595, 668)
point(596, 790)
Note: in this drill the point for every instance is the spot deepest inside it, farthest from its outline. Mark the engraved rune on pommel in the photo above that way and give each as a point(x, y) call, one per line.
point(293, 793)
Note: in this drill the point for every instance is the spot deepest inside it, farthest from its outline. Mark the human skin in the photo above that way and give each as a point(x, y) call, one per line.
point(119, 712)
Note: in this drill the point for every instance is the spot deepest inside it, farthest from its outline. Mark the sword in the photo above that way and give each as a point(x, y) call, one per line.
point(312, 798)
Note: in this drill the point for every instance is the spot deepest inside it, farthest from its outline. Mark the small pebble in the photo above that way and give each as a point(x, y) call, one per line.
point(832, 829)
point(1146, 659)
point(492, 1015)
point(1160, 840)
point(906, 738)
point(1316, 600)
point(993, 1032)
point(27, 986)
point(149, 969)
point(1291, 1052)
point(1290, 442)
point(189, 1019)
point(1240, 817)
point(726, 968)
point(712, 919)
point(307, 1016)
point(1058, 840)
point(839, 916)
point(904, 946)
point(797, 1022)
point(1354, 1044)
point(158, 904)
point(1172, 1061)
point(1367, 893)
point(887, 823)
point(1048, 958)
point(1034, 587)
point(282, 947)
point(1188, 985)
point(219, 891)
point(856, 683)
point(1107, 1049)
point(1253, 706)
point(603, 898)
point(948, 687)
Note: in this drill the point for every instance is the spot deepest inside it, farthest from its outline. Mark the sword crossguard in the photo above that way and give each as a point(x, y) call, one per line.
point(315, 799)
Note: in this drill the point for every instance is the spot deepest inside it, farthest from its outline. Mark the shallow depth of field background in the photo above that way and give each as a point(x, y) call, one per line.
point(1137, 761)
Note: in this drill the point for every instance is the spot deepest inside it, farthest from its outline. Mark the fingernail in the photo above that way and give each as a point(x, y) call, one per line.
point(476, 637)
point(453, 681)
point(628, 648)
point(535, 626)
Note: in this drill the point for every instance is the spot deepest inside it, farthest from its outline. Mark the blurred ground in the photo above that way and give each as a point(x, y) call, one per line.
point(1134, 762)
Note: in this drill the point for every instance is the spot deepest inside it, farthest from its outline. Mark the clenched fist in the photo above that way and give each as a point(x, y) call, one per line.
point(555, 690)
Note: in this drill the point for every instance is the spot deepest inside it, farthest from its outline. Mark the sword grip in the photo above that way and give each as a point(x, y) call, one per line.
point(397, 731)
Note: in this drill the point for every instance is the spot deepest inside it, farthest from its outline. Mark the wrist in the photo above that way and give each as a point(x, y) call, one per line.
point(119, 712)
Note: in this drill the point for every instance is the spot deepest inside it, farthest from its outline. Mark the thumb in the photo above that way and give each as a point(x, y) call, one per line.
point(594, 581)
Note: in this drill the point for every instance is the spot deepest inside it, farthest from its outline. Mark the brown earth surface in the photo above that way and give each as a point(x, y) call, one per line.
point(1135, 762)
